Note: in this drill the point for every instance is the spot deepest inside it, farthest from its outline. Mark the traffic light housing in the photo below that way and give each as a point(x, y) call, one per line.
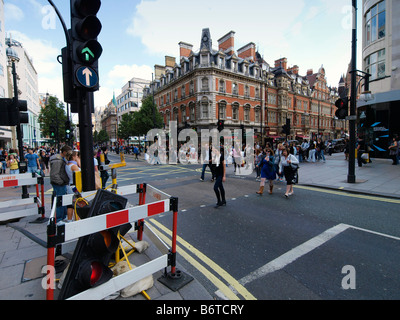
point(52, 131)
point(67, 130)
point(86, 50)
point(12, 113)
point(342, 105)
point(89, 264)
point(220, 125)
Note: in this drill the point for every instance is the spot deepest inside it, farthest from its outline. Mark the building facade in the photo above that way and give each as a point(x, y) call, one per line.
point(242, 89)
point(128, 101)
point(28, 90)
point(378, 119)
point(5, 132)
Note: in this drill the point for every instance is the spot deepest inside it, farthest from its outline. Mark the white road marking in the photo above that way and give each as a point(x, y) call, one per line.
point(294, 254)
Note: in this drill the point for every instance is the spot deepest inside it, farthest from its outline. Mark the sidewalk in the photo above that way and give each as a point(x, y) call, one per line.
point(379, 178)
point(22, 259)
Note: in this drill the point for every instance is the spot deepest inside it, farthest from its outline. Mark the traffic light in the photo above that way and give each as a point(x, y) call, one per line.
point(12, 114)
point(343, 108)
point(286, 127)
point(52, 130)
point(86, 50)
point(67, 130)
point(220, 125)
point(21, 112)
point(5, 107)
point(89, 263)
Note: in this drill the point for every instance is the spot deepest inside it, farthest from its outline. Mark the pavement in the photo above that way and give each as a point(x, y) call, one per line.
point(22, 254)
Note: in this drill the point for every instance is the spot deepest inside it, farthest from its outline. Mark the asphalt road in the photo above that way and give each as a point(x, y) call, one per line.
point(318, 244)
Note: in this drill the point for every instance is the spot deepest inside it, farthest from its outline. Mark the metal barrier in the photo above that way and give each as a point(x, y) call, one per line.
point(19, 180)
point(63, 237)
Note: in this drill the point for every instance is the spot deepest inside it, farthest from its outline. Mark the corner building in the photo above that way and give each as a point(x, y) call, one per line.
point(242, 89)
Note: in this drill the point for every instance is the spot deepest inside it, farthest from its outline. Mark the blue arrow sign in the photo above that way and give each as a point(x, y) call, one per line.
point(87, 77)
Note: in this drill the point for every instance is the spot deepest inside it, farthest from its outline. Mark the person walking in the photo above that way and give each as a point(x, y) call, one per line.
point(33, 161)
point(136, 152)
point(393, 150)
point(278, 154)
point(267, 169)
point(286, 166)
point(219, 169)
point(12, 164)
point(207, 161)
point(59, 178)
point(311, 151)
point(72, 167)
point(320, 149)
point(258, 158)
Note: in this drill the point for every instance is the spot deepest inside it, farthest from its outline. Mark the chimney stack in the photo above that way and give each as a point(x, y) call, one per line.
point(227, 43)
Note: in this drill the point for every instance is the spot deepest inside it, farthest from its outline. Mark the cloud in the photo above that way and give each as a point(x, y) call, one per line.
point(12, 12)
point(116, 78)
point(42, 53)
point(262, 22)
point(123, 73)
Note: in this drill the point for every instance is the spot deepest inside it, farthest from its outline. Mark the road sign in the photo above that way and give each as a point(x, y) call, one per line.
point(87, 77)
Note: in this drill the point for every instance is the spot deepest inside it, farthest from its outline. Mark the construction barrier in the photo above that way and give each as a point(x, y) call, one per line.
point(19, 180)
point(62, 237)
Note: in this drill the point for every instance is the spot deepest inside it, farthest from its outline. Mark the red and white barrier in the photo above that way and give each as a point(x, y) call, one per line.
point(67, 233)
point(19, 180)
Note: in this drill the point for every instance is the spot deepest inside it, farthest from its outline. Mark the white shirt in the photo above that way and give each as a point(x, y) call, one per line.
point(284, 161)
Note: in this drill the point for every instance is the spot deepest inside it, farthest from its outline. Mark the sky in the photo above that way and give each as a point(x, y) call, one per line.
point(137, 34)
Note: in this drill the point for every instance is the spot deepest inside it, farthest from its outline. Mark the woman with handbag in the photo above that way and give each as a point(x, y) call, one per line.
point(288, 165)
point(267, 169)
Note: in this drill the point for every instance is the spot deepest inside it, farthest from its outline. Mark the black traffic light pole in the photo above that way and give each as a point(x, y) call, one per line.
point(351, 176)
point(22, 162)
point(85, 105)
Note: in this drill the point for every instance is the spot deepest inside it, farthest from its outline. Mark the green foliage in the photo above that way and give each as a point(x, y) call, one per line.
point(140, 122)
point(102, 137)
point(53, 114)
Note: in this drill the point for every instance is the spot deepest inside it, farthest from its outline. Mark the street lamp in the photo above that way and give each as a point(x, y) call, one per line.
point(351, 177)
point(13, 57)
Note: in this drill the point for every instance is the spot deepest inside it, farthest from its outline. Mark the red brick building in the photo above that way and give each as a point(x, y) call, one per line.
point(242, 89)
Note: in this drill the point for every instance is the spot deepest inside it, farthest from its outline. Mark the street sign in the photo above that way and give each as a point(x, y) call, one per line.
point(87, 77)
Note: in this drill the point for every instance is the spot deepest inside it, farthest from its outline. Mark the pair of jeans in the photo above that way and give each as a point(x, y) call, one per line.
point(219, 190)
point(32, 169)
point(61, 212)
point(311, 155)
point(321, 155)
point(204, 170)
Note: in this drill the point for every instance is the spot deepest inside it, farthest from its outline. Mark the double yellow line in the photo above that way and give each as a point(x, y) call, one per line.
point(230, 290)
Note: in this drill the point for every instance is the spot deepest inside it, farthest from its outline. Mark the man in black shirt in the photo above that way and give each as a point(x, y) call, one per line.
point(219, 173)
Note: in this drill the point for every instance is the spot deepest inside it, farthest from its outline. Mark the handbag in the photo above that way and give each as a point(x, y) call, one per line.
point(365, 156)
point(294, 166)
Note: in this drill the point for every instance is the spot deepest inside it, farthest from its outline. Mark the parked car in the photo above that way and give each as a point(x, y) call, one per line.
point(338, 145)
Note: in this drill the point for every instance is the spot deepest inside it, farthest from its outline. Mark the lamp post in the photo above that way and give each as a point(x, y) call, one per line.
point(13, 57)
point(366, 95)
point(351, 176)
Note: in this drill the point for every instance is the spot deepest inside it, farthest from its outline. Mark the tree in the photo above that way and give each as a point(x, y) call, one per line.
point(126, 127)
point(102, 137)
point(143, 119)
point(53, 114)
